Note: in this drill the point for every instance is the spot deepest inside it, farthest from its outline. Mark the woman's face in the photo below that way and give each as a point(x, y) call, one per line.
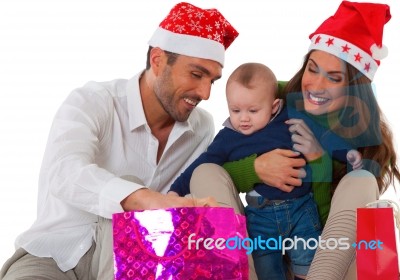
point(323, 83)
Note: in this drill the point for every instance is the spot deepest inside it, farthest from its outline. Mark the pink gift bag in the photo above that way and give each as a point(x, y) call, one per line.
point(180, 243)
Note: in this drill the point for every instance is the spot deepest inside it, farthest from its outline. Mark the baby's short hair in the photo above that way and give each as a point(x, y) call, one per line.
point(251, 74)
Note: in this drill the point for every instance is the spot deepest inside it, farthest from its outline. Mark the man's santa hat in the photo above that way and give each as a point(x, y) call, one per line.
point(354, 33)
point(192, 31)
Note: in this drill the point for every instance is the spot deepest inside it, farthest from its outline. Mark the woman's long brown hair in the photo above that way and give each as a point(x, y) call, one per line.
point(370, 121)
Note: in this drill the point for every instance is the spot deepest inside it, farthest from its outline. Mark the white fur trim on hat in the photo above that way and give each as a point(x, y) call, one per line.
point(188, 45)
point(346, 51)
point(379, 53)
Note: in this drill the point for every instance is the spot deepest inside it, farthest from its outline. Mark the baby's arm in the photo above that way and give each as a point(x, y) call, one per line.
point(355, 159)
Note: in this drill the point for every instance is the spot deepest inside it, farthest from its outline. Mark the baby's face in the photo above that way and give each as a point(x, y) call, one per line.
point(249, 109)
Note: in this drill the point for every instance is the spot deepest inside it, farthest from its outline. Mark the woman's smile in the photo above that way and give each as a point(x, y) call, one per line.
point(316, 100)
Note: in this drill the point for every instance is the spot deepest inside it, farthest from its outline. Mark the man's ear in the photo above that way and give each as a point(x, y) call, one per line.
point(276, 105)
point(156, 57)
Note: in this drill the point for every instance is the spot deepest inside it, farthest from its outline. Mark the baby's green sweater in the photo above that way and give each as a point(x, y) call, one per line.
point(244, 176)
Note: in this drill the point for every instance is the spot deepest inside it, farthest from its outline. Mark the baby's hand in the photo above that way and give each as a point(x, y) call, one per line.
point(355, 159)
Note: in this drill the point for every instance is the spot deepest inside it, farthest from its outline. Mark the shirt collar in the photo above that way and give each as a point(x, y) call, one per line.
point(135, 110)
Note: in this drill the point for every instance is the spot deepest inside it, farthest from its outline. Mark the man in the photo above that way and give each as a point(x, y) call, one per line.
point(117, 146)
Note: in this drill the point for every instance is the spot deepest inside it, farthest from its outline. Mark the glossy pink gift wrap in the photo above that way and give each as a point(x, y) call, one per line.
point(179, 243)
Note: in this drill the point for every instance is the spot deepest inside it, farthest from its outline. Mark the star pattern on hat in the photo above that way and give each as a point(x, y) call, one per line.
point(354, 33)
point(357, 57)
point(329, 42)
point(342, 49)
point(346, 48)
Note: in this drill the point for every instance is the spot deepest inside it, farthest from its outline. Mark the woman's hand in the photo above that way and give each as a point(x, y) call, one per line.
point(281, 169)
point(304, 140)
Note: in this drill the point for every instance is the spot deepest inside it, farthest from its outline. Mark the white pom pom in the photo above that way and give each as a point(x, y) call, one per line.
point(379, 53)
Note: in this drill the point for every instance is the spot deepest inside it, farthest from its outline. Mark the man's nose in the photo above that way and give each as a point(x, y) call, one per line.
point(204, 91)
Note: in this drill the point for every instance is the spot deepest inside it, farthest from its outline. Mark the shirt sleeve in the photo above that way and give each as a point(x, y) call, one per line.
point(69, 166)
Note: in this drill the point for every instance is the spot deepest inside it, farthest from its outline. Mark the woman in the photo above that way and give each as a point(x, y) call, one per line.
point(335, 90)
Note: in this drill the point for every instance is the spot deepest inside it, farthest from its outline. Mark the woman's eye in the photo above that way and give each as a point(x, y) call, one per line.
point(312, 69)
point(335, 79)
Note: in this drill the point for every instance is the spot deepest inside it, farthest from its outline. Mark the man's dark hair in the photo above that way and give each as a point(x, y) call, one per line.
point(171, 57)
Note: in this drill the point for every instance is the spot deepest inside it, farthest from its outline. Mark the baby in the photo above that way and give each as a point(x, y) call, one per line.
point(256, 125)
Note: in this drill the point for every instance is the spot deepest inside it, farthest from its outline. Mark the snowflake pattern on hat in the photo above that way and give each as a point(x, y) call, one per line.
point(187, 19)
point(194, 31)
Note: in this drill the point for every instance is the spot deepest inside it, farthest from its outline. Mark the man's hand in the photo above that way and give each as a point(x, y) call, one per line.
point(144, 199)
point(281, 169)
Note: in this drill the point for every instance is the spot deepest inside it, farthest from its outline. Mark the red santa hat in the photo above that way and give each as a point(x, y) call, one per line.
point(192, 31)
point(354, 33)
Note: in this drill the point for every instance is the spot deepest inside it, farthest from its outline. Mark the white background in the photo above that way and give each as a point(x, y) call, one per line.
point(48, 48)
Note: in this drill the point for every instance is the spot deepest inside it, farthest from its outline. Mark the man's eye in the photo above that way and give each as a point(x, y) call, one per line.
point(196, 75)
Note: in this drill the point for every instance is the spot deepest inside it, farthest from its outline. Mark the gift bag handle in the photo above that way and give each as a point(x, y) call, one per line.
point(379, 203)
point(198, 225)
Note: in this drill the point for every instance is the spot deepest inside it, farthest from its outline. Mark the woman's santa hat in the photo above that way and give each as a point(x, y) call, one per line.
point(354, 33)
point(192, 31)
